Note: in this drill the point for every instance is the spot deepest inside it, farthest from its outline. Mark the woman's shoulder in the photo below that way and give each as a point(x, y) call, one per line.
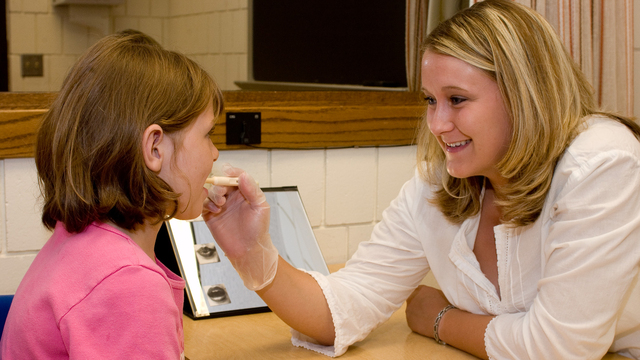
point(413, 201)
point(605, 147)
point(416, 190)
point(419, 182)
point(602, 135)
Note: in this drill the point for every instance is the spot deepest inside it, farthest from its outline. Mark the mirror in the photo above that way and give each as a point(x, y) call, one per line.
point(213, 288)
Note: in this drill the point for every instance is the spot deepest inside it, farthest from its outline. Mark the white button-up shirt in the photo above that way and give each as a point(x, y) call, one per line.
point(569, 283)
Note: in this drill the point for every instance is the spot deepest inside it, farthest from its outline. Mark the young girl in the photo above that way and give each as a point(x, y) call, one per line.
point(124, 146)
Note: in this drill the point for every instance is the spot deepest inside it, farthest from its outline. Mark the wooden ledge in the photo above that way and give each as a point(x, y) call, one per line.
point(290, 119)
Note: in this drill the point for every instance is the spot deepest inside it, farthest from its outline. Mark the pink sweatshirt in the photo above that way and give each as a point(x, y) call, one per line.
point(95, 295)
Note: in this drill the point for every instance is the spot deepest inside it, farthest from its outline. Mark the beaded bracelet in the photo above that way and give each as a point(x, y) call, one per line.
point(436, 324)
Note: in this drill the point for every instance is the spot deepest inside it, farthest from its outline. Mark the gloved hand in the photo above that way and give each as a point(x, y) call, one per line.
point(238, 218)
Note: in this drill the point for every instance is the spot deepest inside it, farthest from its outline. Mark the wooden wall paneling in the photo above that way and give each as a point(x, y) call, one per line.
point(290, 119)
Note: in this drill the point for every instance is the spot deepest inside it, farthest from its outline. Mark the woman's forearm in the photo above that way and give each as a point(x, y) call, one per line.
point(298, 300)
point(456, 327)
point(465, 331)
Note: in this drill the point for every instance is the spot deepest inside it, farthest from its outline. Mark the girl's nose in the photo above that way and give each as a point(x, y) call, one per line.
point(215, 152)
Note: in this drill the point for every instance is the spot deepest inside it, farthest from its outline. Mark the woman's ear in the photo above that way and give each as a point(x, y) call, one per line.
point(154, 147)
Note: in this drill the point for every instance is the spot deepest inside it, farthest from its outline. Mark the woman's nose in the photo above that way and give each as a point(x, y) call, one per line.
point(440, 120)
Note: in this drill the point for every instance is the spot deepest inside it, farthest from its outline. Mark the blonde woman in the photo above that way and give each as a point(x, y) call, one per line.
point(525, 206)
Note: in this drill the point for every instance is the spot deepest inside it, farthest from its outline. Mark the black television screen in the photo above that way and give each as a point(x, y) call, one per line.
point(344, 42)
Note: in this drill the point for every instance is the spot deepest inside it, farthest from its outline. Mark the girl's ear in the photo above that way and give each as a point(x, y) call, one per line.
point(154, 144)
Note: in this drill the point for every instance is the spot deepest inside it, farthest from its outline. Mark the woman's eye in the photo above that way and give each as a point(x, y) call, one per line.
point(430, 100)
point(455, 100)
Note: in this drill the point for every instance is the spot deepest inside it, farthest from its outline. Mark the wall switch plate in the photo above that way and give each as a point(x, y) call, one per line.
point(244, 128)
point(32, 65)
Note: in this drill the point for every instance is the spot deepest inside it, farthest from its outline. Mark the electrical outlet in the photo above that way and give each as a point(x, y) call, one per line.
point(32, 65)
point(244, 128)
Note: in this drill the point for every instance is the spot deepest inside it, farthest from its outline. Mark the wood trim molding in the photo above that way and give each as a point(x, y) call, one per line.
point(290, 119)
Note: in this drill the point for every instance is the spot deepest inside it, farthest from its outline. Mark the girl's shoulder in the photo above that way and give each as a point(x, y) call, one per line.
point(77, 263)
point(103, 246)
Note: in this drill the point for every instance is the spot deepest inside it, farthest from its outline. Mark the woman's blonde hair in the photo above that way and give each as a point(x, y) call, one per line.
point(89, 146)
point(545, 94)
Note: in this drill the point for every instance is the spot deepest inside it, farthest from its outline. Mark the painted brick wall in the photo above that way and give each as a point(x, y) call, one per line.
point(212, 32)
point(344, 191)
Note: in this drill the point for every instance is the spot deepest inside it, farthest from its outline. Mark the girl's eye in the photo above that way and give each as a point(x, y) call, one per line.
point(455, 100)
point(210, 133)
point(430, 100)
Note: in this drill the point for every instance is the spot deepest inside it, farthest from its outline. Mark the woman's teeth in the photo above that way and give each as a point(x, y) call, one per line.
point(460, 143)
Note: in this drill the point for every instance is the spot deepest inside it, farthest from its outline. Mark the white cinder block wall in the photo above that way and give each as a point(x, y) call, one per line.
point(212, 32)
point(344, 191)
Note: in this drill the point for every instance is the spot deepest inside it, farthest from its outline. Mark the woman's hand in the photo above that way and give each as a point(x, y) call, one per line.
point(423, 306)
point(236, 216)
point(238, 219)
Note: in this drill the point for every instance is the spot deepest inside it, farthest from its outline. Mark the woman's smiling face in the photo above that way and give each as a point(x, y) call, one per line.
point(466, 113)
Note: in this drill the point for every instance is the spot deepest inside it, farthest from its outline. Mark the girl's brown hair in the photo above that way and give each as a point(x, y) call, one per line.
point(545, 93)
point(88, 148)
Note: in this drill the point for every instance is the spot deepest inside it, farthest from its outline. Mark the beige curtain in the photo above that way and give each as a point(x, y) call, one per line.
point(422, 17)
point(597, 33)
point(416, 32)
point(599, 36)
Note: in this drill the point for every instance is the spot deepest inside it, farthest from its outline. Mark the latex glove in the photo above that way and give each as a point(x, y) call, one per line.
point(238, 218)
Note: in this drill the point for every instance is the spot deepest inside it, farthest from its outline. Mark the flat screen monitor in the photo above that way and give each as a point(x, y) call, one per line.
point(320, 44)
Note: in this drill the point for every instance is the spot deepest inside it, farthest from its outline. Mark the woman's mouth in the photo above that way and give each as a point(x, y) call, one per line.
point(456, 145)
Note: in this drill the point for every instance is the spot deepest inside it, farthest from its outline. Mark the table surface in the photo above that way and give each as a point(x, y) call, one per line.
point(265, 336)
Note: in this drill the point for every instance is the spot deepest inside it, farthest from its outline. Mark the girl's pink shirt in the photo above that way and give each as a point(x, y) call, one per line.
point(95, 295)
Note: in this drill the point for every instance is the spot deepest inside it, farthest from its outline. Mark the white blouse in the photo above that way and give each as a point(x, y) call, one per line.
point(569, 283)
